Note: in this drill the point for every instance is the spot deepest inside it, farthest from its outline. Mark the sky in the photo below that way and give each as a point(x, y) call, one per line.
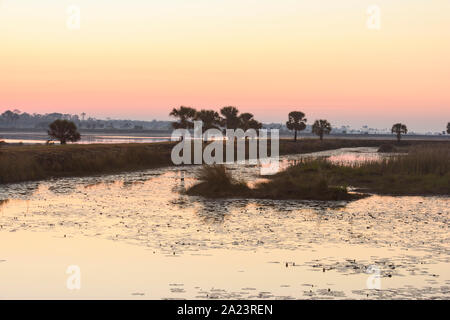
point(138, 59)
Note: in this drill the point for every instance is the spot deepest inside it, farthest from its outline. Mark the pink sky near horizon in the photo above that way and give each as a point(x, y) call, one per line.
point(139, 59)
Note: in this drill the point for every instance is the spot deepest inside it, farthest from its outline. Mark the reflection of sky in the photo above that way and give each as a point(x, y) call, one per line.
point(87, 139)
point(123, 230)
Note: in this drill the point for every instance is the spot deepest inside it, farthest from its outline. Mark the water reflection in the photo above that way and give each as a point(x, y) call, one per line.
point(86, 138)
point(237, 239)
point(216, 212)
point(3, 202)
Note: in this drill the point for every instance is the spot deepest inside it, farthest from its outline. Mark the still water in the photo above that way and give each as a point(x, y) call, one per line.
point(86, 138)
point(136, 236)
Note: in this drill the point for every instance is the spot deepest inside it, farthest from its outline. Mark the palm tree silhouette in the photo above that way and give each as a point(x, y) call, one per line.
point(297, 122)
point(185, 115)
point(230, 118)
point(210, 120)
point(246, 121)
point(399, 129)
point(321, 127)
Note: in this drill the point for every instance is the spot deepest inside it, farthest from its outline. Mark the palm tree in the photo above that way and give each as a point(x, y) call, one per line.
point(185, 116)
point(230, 118)
point(246, 121)
point(448, 127)
point(321, 127)
point(210, 120)
point(297, 122)
point(64, 130)
point(399, 129)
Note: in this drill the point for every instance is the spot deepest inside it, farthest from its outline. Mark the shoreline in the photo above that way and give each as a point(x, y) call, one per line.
point(20, 163)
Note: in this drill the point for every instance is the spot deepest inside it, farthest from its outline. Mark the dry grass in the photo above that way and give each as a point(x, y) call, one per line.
point(425, 170)
point(36, 162)
point(217, 182)
point(22, 163)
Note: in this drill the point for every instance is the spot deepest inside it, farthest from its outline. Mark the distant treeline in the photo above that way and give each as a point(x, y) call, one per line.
point(24, 120)
point(15, 119)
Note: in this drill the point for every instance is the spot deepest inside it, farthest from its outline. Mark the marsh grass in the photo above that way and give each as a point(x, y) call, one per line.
point(217, 182)
point(425, 170)
point(23, 163)
point(36, 162)
point(309, 182)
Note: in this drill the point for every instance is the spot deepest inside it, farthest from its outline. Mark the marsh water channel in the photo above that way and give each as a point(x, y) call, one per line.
point(137, 236)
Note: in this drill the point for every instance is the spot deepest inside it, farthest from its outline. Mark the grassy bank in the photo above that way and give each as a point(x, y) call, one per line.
point(36, 162)
point(424, 170)
point(216, 182)
point(22, 163)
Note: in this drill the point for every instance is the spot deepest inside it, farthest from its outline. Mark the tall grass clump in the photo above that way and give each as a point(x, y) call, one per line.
point(217, 182)
point(419, 161)
point(424, 170)
point(309, 179)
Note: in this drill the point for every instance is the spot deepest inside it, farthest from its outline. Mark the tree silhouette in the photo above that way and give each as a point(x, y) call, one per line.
point(9, 116)
point(297, 122)
point(64, 130)
point(321, 127)
point(230, 118)
point(210, 120)
point(399, 129)
point(185, 116)
point(448, 127)
point(246, 121)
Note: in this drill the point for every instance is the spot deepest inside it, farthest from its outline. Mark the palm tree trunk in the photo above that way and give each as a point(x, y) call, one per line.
point(295, 135)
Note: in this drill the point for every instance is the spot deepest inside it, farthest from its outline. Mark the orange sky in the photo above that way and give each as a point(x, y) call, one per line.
point(138, 59)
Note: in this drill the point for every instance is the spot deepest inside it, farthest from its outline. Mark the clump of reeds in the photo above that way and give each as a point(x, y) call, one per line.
point(424, 170)
point(309, 179)
point(217, 182)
